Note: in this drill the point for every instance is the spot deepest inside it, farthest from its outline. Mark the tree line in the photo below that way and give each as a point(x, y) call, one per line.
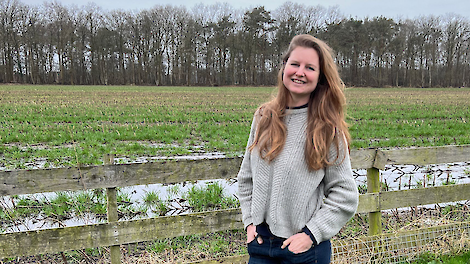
point(218, 45)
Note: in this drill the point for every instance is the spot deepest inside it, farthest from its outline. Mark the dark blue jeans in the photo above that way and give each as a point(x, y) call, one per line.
point(270, 252)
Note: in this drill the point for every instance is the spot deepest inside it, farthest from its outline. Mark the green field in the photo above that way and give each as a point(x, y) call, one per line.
point(430, 258)
point(51, 126)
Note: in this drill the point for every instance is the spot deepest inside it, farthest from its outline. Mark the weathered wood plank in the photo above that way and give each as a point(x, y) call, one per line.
point(116, 233)
point(363, 158)
point(423, 196)
point(173, 171)
point(380, 160)
point(368, 202)
point(109, 176)
point(373, 202)
point(428, 155)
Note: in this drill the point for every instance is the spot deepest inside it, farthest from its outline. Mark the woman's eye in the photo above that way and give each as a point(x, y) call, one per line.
point(311, 68)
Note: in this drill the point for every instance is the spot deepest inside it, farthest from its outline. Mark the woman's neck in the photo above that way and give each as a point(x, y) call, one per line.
point(297, 102)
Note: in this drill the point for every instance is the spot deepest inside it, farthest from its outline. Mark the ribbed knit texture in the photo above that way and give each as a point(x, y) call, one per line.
point(287, 196)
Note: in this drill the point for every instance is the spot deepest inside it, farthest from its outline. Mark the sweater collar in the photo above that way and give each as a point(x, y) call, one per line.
point(294, 111)
point(298, 107)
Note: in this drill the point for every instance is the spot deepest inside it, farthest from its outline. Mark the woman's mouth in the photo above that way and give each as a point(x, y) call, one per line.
point(298, 81)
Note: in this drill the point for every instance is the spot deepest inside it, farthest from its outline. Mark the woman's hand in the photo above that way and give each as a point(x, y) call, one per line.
point(251, 234)
point(298, 243)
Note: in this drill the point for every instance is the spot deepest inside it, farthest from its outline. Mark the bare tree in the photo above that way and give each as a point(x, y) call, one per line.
point(456, 31)
point(10, 15)
point(219, 45)
point(430, 36)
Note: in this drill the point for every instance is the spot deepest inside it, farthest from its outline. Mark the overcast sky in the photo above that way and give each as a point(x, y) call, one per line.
point(354, 8)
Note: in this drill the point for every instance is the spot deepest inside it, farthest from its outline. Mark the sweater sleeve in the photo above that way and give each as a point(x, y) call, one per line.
point(245, 180)
point(341, 196)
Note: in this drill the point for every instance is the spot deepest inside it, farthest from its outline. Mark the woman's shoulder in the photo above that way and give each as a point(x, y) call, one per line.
point(263, 110)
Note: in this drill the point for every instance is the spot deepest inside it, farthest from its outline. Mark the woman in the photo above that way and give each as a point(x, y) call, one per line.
point(296, 188)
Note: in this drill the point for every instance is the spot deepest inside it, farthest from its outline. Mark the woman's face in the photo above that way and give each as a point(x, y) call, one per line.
point(301, 73)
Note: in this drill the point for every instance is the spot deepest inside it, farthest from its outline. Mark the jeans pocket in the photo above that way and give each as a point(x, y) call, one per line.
point(320, 254)
point(299, 252)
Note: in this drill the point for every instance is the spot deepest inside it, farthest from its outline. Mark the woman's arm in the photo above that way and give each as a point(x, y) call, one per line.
point(245, 181)
point(341, 196)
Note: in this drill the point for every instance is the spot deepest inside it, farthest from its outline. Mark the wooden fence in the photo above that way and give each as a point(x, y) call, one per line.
point(114, 233)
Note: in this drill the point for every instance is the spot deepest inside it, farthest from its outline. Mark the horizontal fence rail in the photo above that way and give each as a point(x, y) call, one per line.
point(117, 233)
point(372, 202)
point(109, 176)
point(175, 171)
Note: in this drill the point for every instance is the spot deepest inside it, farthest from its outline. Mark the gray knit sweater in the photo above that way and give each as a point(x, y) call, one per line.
point(287, 196)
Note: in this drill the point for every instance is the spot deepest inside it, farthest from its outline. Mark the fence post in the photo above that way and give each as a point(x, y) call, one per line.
point(112, 214)
point(373, 186)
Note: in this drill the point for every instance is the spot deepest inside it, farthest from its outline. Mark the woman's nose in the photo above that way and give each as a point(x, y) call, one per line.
point(299, 72)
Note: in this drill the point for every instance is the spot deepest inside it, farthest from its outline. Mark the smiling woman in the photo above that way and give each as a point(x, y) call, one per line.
point(300, 75)
point(296, 187)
